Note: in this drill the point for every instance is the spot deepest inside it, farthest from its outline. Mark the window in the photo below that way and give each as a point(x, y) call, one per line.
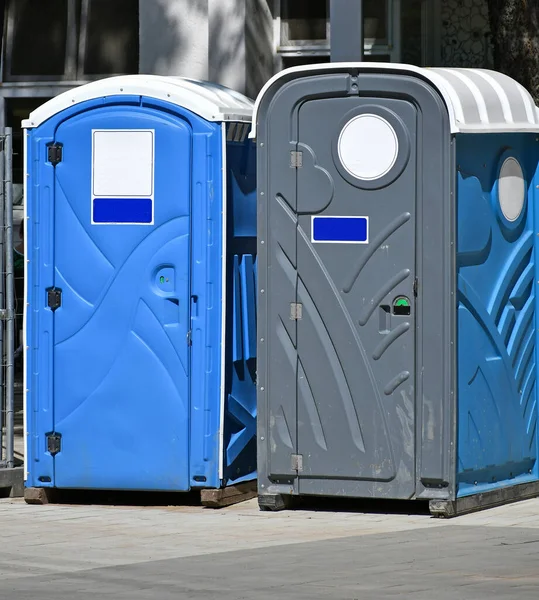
point(304, 22)
point(301, 61)
point(45, 24)
point(376, 23)
point(112, 34)
point(412, 32)
point(304, 29)
point(511, 189)
point(70, 39)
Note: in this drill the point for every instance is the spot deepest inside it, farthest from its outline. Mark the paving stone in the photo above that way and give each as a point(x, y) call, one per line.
point(60, 552)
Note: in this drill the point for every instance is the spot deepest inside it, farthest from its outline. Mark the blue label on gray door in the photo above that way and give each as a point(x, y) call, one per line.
point(340, 230)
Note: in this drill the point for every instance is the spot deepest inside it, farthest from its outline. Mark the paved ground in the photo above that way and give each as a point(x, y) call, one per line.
point(135, 553)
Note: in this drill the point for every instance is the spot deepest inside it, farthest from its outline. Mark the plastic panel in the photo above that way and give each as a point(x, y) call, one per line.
point(364, 396)
point(145, 433)
point(240, 406)
point(497, 404)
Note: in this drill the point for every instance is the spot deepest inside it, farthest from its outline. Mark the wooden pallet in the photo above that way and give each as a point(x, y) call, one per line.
point(461, 506)
point(210, 498)
point(39, 495)
point(229, 495)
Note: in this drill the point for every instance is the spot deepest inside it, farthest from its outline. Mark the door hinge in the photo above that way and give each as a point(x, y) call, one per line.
point(54, 298)
point(55, 153)
point(296, 462)
point(296, 311)
point(416, 286)
point(296, 159)
point(54, 443)
point(189, 340)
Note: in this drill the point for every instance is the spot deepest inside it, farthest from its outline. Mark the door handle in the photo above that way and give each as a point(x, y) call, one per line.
point(194, 307)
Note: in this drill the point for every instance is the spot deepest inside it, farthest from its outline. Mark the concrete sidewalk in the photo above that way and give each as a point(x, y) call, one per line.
point(65, 552)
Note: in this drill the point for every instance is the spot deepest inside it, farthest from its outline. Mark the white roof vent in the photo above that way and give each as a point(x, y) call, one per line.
point(477, 100)
point(208, 100)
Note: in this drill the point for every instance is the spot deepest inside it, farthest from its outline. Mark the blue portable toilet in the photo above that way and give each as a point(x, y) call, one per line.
point(397, 328)
point(140, 321)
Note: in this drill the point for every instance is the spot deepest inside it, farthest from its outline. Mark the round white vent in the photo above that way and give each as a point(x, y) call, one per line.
point(511, 189)
point(368, 147)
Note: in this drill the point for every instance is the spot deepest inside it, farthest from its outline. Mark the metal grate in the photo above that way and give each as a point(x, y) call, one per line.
point(11, 312)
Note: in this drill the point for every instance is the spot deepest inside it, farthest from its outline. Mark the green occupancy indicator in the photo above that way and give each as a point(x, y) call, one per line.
point(402, 301)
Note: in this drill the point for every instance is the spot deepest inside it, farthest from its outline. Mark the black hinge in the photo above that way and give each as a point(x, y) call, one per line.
point(54, 298)
point(54, 154)
point(416, 285)
point(189, 340)
point(54, 443)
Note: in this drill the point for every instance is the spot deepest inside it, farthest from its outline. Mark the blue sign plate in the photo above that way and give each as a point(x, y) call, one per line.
point(340, 230)
point(130, 211)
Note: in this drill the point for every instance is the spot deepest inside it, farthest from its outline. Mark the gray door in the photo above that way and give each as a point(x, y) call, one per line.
point(355, 319)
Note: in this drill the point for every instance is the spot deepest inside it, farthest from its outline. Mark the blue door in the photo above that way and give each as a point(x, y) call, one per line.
point(121, 260)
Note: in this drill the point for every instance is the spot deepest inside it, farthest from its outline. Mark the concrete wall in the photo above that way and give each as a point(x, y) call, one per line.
point(174, 37)
point(226, 41)
point(260, 45)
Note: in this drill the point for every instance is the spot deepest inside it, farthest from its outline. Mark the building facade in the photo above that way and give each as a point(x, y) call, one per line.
point(50, 47)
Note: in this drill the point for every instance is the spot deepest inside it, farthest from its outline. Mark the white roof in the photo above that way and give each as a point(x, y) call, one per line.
point(208, 100)
point(477, 100)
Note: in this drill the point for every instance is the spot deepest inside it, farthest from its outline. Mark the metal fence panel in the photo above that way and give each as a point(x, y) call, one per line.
point(11, 473)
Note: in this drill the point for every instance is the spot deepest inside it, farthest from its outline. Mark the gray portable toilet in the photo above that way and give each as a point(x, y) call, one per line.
point(397, 274)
